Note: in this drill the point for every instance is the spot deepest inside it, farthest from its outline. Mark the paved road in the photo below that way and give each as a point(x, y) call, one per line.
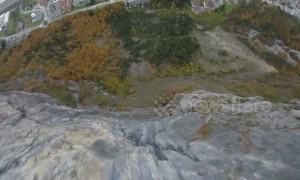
point(9, 5)
point(27, 31)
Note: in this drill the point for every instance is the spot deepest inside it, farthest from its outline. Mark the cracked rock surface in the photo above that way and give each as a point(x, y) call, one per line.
point(205, 136)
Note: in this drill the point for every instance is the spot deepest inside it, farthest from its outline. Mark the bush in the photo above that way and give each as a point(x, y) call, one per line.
point(115, 85)
point(89, 97)
point(56, 90)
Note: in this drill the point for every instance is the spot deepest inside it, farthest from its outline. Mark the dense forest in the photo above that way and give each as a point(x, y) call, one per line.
point(157, 38)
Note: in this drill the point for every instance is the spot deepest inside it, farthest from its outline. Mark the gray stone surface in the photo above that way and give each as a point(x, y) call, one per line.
point(42, 139)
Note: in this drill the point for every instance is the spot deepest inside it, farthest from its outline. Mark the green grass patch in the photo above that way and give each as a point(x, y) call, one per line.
point(15, 16)
point(100, 1)
point(75, 8)
point(94, 2)
point(32, 25)
point(210, 20)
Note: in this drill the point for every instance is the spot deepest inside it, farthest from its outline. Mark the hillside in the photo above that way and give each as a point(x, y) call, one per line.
point(112, 57)
point(84, 47)
point(275, 34)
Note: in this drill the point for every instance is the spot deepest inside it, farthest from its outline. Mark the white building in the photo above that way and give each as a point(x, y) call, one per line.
point(4, 19)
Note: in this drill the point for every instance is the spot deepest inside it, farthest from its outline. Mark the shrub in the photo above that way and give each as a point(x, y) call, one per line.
point(89, 97)
point(56, 90)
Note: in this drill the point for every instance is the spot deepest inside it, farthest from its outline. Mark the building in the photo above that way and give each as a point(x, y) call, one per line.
point(4, 20)
point(36, 17)
point(66, 6)
point(43, 3)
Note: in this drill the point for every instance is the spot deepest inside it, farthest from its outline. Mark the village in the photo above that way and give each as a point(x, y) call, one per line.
point(30, 14)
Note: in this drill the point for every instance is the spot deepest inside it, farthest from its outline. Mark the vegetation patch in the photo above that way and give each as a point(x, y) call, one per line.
point(166, 97)
point(157, 38)
point(89, 96)
point(18, 21)
point(57, 90)
point(272, 87)
point(278, 61)
point(28, 4)
point(84, 93)
point(204, 132)
point(67, 50)
point(272, 22)
point(212, 19)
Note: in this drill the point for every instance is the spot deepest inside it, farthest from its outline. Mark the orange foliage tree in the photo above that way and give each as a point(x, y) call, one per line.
point(67, 49)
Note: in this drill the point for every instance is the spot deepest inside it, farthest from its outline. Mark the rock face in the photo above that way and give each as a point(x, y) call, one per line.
point(208, 136)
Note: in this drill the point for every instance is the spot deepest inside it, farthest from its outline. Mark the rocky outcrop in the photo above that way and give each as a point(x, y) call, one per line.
point(201, 135)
